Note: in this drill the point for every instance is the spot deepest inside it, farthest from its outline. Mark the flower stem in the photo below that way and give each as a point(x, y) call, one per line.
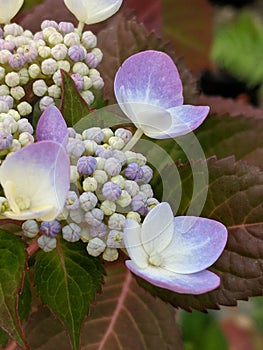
point(80, 27)
point(32, 247)
point(136, 137)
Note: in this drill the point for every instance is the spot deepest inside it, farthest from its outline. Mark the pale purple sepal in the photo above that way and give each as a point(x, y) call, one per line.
point(149, 77)
point(195, 283)
point(52, 126)
point(197, 243)
point(39, 173)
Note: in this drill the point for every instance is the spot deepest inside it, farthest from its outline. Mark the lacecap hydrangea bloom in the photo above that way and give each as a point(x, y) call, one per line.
point(175, 252)
point(149, 90)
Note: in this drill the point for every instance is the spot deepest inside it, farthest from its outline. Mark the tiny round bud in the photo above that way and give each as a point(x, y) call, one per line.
point(108, 207)
point(71, 232)
point(39, 87)
point(4, 90)
point(134, 172)
point(2, 72)
point(17, 92)
point(86, 165)
point(134, 216)
point(6, 140)
point(71, 39)
point(4, 107)
point(59, 51)
point(45, 102)
point(108, 133)
point(92, 60)
point(110, 254)
point(12, 79)
point(4, 55)
point(54, 91)
point(47, 243)
point(75, 148)
point(97, 82)
point(119, 180)
point(112, 166)
point(124, 200)
point(111, 191)
point(48, 23)
point(34, 71)
point(50, 228)
point(88, 96)
point(24, 126)
point(116, 221)
point(16, 61)
point(131, 187)
point(63, 64)
point(44, 51)
point(77, 215)
point(24, 108)
point(49, 66)
point(94, 134)
point(57, 78)
point(74, 175)
point(23, 76)
point(25, 139)
point(80, 68)
point(87, 83)
point(55, 38)
point(94, 217)
point(72, 201)
point(90, 184)
point(30, 228)
point(126, 135)
point(16, 145)
point(90, 147)
point(115, 239)
point(78, 80)
point(100, 176)
point(88, 201)
point(47, 31)
point(88, 40)
point(116, 142)
point(66, 27)
point(95, 246)
point(76, 53)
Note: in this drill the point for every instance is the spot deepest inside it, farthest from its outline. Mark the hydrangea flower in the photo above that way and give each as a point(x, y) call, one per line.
point(52, 126)
point(36, 180)
point(149, 90)
point(93, 11)
point(8, 9)
point(174, 253)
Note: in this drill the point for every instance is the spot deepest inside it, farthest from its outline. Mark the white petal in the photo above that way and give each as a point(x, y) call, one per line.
point(93, 11)
point(157, 229)
point(8, 9)
point(133, 244)
point(197, 243)
point(196, 283)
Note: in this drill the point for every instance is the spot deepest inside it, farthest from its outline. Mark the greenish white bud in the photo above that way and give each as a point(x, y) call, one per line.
point(63, 64)
point(87, 83)
point(47, 243)
point(98, 53)
point(54, 91)
point(77, 215)
point(17, 92)
point(90, 147)
point(147, 189)
point(12, 79)
point(49, 66)
point(44, 51)
point(63, 215)
point(23, 76)
point(30, 228)
point(119, 180)
point(90, 184)
point(108, 133)
point(24, 108)
point(140, 159)
point(13, 29)
point(4, 56)
point(116, 142)
point(97, 82)
point(25, 139)
point(100, 163)
point(4, 90)
point(4, 108)
point(14, 114)
point(88, 96)
point(85, 234)
point(34, 71)
point(81, 68)
point(134, 216)
point(116, 221)
point(100, 176)
point(71, 39)
point(131, 157)
point(74, 175)
point(2, 72)
point(3, 204)
point(124, 200)
point(48, 31)
point(39, 87)
point(96, 246)
point(108, 207)
point(131, 187)
point(16, 145)
point(89, 40)
point(94, 72)
point(45, 102)
point(55, 38)
point(59, 51)
point(110, 254)
point(71, 232)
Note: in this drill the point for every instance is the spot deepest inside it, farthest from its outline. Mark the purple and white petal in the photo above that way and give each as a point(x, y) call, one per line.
point(133, 244)
point(196, 283)
point(149, 77)
point(197, 243)
point(157, 229)
point(52, 126)
point(93, 11)
point(38, 174)
point(185, 119)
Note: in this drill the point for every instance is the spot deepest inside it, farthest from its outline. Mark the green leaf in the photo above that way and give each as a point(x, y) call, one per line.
point(237, 48)
point(202, 331)
point(125, 317)
point(235, 198)
point(12, 265)
point(25, 299)
point(67, 280)
point(127, 38)
point(73, 107)
point(3, 337)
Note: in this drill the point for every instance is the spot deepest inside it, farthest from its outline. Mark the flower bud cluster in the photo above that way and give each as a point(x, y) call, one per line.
point(30, 64)
point(108, 185)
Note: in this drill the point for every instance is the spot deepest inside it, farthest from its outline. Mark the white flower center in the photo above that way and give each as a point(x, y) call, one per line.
point(15, 202)
point(23, 202)
point(155, 259)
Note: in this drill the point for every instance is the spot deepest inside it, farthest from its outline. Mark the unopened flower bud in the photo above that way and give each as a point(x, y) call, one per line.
point(24, 126)
point(92, 60)
point(97, 82)
point(6, 140)
point(88, 201)
point(63, 64)
point(94, 217)
point(55, 38)
point(47, 243)
point(25, 139)
point(50, 228)
point(48, 31)
point(77, 215)
point(71, 232)
point(131, 157)
point(131, 187)
point(39, 87)
point(75, 148)
point(3, 107)
point(95, 246)
point(88, 96)
point(48, 23)
point(16, 145)
point(108, 207)
point(74, 175)
point(115, 239)
point(90, 147)
point(59, 51)
point(57, 78)
point(71, 39)
point(125, 134)
point(110, 254)
point(4, 90)
point(12, 79)
point(119, 180)
point(147, 174)
point(90, 184)
point(76, 53)
point(34, 71)
point(23, 76)
point(49, 66)
point(54, 91)
point(81, 68)
point(134, 216)
point(111, 191)
point(17, 92)
point(112, 166)
point(89, 40)
point(44, 51)
point(78, 80)
point(134, 172)
point(17, 60)
point(124, 200)
point(86, 165)
point(87, 83)
point(66, 27)
point(24, 108)
point(72, 201)
point(45, 102)
point(4, 56)
point(100, 176)
point(94, 133)
point(13, 29)
point(116, 142)
point(116, 221)
point(30, 228)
